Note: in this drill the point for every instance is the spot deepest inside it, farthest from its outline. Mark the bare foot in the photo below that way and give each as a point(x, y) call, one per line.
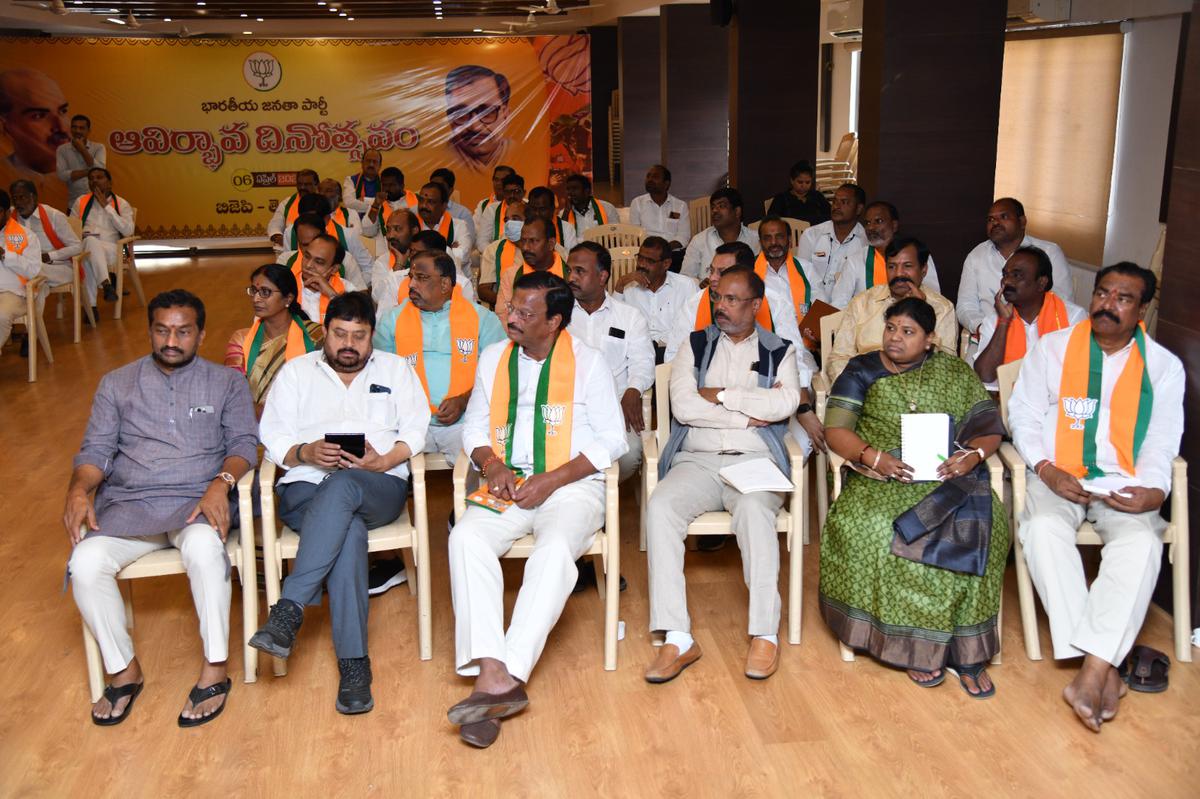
point(924, 677)
point(210, 674)
point(1085, 693)
point(494, 677)
point(1114, 690)
point(103, 709)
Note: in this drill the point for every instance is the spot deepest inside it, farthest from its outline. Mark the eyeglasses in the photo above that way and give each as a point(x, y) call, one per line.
point(522, 314)
point(730, 299)
point(462, 114)
point(263, 293)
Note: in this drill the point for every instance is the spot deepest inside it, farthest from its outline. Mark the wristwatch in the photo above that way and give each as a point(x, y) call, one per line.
point(803, 407)
point(229, 479)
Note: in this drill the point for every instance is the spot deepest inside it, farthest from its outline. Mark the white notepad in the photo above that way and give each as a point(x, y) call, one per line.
point(1109, 484)
point(924, 443)
point(760, 474)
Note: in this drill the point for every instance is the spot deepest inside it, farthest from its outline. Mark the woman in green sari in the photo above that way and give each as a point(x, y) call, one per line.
point(281, 330)
point(912, 571)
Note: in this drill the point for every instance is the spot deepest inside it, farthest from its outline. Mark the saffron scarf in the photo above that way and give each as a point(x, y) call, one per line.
point(553, 409)
point(16, 240)
point(1053, 316)
point(874, 268)
point(296, 264)
point(464, 335)
point(298, 341)
point(556, 268)
point(704, 310)
point(332, 228)
point(1130, 405)
point(445, 226)
point(597, 212)
point(84, 206)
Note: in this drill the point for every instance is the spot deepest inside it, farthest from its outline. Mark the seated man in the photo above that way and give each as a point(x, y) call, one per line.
point(463, 218)
point(105, 219)
point(20, 262)
point(503, 253)
point(835, 245)
point(656, 291)
point(395, 288)
point(495, 198)
point(583, 211)
point(538, 254)
point(307, 181)
point(561, 440)
point(358, 259)
point(981, 269)
point(540, 205)
point(161, 474)
point(318, 269)
point(861, 330)
point(392, 197)
point(661, 213)
point(733, 391)
point(725, 211)
point(348, 218)
point(866, 267)
point(390, 268)
point(619, 332)
point(433, 215)
point(58, 241)
point(1120, 426)
point(359, 190)
point(492, 217)
point(332, 497)
point(1026, 310)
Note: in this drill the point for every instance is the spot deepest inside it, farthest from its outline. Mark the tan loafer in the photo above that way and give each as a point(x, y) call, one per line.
point(762, 659)
point(670, 663)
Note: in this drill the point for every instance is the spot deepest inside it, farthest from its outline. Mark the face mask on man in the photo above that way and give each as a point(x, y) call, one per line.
point(512, 230)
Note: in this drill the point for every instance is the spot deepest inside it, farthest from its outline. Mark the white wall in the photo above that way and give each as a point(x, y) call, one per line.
point(1143, 119)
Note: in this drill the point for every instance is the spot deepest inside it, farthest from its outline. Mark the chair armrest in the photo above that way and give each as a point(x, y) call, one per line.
point(820, 387)
point(266, 477)
point(1016, 469)
point(245, 495)
point(461, 465)
point(128, 240)
point(650, 461)
point(836, 462)
point(647, 414)
point(796, 456)
point(416, 465)
point(996, 475)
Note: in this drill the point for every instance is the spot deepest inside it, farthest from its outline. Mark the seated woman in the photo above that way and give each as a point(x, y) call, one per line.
point(801, 201)
point(281, 330)
point(912, 571)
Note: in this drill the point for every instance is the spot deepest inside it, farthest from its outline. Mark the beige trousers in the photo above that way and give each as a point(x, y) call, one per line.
point(11, 306)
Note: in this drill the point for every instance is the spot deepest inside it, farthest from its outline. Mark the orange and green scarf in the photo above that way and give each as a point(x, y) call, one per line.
point(553, 408)
point(464, 335)
point(597, 212)
point(874, 268)
point(16, 239)
point(298, 341)
point(1053, 316)
point(704, 311)
point(296, 264)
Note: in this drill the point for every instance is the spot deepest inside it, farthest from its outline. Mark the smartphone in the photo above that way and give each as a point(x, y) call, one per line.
point(354, 443)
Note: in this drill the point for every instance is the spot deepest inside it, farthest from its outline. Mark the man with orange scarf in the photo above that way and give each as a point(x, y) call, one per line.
point(1097, 415)
point(20, 262)
point(544, 408)
point(1026, 310)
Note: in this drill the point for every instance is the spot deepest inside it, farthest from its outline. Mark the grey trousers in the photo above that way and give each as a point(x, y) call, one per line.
point(692, 487)
point(332, 518)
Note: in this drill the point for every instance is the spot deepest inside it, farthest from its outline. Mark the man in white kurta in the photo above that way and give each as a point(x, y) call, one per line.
point(864, 267)
point(53, 230)
point(584, 211)
point(656, 291)
point(725, 211)
point(106, 219)
point(286, 212)
point(20, 262)
point(76, 157)
point(561, 505)
point(1071, 433)
point(834, 246)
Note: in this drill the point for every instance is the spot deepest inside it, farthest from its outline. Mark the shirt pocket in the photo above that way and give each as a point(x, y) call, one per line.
point(615, 350)
point(381, 409)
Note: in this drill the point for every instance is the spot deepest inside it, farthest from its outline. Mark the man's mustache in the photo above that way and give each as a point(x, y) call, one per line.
point(514, 329)
point(896, 281)
point(1103, 314)
point(721, 316)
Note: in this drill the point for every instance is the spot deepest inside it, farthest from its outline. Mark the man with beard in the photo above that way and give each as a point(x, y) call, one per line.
point(463, 218)
point(862, 325)
point(169, 436)
point(982, 266)
point(733, 390)
point(432, 215)
point(307, 181)
point(477, 110)
point(497, 195)
point(833, 246)
point(1026, 310)
point(392, 197)
point(583, 211)
point(332, 497)
point(1099, 401)
point(538, 254)
point(348, 218)
point(58, 241)
point(105, 219)
point(358, 191)
point(504, 253)
point(74, 158)
point(560, 437)
point(390, 268)
point(394, 289)
point(881, 220)
point(725, 209)
point(318, 267)
point(661, 213)
point(656, 291)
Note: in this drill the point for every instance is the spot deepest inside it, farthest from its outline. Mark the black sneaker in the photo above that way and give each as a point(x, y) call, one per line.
point(110, 293)
point(384, 575)
point(354, 690)
point(587, 576)
point(711, 543)
point(277, 636)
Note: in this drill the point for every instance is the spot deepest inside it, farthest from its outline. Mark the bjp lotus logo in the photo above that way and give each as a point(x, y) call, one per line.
point(465, 346)
point(262, 71)
point(552, 417)
point(502, 434)
point(1079, 410)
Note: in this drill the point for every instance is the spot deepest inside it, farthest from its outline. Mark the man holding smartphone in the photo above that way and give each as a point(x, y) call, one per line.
point(332, 496)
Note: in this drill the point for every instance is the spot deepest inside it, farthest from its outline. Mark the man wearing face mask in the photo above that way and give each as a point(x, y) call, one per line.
point(502, 254)
point(862, 325)
point(538, 254)
point(868, 267)
point(491, 218)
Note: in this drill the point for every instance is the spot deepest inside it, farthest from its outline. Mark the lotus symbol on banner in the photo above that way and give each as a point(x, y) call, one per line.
point(1079, 410)
point(262, 71)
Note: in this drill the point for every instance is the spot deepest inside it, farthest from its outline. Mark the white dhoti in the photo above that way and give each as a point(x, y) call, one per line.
point(1105, 620)
point(563, 527)
point(629, 463)
point(96, 561)
point(100, 259)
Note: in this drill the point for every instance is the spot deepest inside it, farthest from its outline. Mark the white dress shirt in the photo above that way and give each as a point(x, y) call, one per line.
point(354, 275)
point(853, 280)
point(820, 247)
point(987, 329)
point(726, 426)
point(27, 265)
point(353, 202)
point(460, 244)
point(1034, 408)
point(67, 160)
point(660, 307)
point(106, 222)
point(669, 220)
point(385, 402)
point(597, 424)
point(373, 227)
point(628, 353)
point(72, 245)
point(278, 220)
point(463, 219)
point(587, 220)
point(385, 283)
point(780, 280)
point(783, 319)
point(981, 279)
point(700, 249)
point(485, 221)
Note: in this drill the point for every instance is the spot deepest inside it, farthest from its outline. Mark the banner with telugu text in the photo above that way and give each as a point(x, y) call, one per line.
point(204, 137)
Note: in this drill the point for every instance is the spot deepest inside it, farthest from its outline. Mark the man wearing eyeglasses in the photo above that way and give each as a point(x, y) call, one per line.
point(538, 254)
point(477, 110)
point(656, 291)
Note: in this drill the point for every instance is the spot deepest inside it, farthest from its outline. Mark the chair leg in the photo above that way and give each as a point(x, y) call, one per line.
point(795, 589)
point(44, 338)
point(410, 570)
point(822, 471)
point(131, 265)
point(95, 665)
point(271, 578)
point(249, 577)
point(1029, 627)
point(424, 606)
point(612, 579)
point(642, 518)
point(120, 288)
point(1183, 603)
point(87, 311)
point(847, 652)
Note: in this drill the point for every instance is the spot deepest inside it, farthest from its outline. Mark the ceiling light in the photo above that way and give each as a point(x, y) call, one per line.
point(477, 30)
point(243, 16)
point(200, 4)
point(349, 19)
point(247, 33)
point(342, 14)
point(116, 21)
point(320, 2)
point(258, 19)
point(166, 19)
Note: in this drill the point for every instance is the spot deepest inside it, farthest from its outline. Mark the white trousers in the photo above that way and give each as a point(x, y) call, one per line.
point(12, 305)
point(94, 565)
point(446, 440)
point(629, 463)
point(100, 258)
point(1105, 620)
point(563, 527)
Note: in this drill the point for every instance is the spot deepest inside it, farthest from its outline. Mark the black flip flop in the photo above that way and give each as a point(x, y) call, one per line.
point(973, 672)
point(198, 695)
point(115, 693)
point(934, 683)
point(1146, 670)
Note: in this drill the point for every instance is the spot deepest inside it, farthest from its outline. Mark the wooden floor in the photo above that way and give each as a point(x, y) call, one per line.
point(819, 726)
